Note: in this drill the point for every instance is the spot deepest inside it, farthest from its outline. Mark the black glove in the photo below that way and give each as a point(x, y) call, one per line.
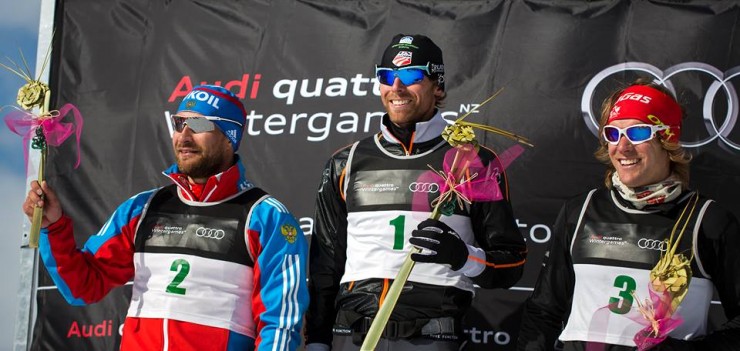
point(445, 245)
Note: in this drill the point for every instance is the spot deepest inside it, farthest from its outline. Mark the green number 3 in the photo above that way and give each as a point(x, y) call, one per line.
point(623, 303)
point(182, 268)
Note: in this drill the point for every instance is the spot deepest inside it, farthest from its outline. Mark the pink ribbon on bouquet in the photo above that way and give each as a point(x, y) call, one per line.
point(479, 183)
point(664, 320)
point(55, 131)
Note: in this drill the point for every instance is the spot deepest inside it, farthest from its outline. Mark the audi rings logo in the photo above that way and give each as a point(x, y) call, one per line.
point(720, 82)
point(210, 233)
point(652, 244)
point(417, 187)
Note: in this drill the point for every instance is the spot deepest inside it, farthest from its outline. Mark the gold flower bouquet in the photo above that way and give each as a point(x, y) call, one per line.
point(669, 284)
point(39, 130)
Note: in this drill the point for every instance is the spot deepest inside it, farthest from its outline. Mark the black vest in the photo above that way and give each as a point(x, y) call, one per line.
point(211, 230)
point(612, 237)
point(380, 181)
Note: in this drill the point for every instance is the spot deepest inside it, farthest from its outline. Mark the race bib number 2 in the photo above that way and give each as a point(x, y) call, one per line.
point(182, 267)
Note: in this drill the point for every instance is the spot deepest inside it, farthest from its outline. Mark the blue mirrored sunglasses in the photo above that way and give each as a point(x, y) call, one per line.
point(636, 134)
point(198, 124)
point(408, 75)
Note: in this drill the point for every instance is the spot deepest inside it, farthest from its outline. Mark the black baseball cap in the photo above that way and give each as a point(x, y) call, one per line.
point(415, 50)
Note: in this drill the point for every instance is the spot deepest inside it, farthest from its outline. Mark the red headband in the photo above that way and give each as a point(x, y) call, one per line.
point(651, 106)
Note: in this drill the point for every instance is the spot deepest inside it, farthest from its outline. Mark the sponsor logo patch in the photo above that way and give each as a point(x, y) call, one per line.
point(231, 134)
point(376, 188)
point(606, 240)
point(418, 187)
point(403, 58)
point(652, 244)
point(160, 230)
point(210, 233)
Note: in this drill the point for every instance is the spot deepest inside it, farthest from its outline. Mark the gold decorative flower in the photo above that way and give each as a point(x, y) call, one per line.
point(672, 274)
point(458, 134)
point(32, 94)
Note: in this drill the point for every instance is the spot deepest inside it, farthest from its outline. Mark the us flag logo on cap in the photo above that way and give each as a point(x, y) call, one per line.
point(402, 58)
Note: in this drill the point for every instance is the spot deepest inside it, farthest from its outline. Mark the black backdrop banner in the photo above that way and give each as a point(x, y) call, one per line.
point(304, 70)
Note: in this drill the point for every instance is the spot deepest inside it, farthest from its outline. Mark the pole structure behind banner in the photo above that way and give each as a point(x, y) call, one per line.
point(29, 265)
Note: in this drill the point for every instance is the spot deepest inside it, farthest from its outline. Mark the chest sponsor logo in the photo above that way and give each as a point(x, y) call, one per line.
point(210, 233)
point(417, 187)
point(375, 188)
point(652, 244)
point(161, 230)
point(606, 240)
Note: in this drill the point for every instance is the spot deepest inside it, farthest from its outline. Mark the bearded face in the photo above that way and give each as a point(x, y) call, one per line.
point(204, 160)
point(201, 155)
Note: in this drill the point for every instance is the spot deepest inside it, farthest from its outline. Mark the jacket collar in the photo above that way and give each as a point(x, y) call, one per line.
point(425, 131)
point(218, 187)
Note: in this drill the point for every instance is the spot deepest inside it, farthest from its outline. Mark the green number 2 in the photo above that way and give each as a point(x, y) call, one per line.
point(182, 268)
point(398, 224)
point(623, 303)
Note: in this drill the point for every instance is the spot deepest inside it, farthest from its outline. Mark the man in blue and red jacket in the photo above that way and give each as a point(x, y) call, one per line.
point(217, 263)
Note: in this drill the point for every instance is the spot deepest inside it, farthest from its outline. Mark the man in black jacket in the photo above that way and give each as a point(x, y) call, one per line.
point(606, 242)
point(366, 221)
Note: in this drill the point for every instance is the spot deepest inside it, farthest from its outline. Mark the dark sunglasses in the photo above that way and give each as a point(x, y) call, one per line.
point(198, 124)
point(408, 75)
point(636, 134)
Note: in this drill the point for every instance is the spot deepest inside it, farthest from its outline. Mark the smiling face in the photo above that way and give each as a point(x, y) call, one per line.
point(201, 155)
point(407, 105)
point(639, 165)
